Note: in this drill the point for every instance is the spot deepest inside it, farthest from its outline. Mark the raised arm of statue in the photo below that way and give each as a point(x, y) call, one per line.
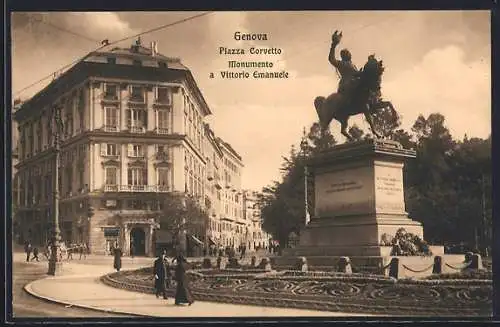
point(336, 37)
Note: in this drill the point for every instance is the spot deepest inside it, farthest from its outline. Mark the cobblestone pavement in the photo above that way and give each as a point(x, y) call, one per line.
point(78, 285)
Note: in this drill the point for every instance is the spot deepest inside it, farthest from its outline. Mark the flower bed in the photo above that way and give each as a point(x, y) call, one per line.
point(329, 291)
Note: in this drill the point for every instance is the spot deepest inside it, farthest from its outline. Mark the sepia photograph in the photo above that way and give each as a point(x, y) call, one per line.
point(215, 164)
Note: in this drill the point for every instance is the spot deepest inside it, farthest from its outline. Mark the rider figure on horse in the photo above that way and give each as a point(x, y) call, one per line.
point(347, 70)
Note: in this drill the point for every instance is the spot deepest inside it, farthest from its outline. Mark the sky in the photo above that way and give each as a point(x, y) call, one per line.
point(435, 62)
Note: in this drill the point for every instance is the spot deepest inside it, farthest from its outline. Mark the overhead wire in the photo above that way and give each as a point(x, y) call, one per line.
point(106, 44)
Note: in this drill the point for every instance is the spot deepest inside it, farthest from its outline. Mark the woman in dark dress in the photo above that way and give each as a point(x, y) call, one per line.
point(117, 252)
point(183, 293)
point(160, 275)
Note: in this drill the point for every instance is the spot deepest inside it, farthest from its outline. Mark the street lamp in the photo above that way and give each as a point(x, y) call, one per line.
point(54, 262)
point(303, 147)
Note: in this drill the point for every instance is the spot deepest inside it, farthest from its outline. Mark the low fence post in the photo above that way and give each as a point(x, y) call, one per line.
point(344, 265)
point(438, 265)
point(265, 264)
point(302, 264)
point(221, 264)
point(476, 262)
point(207, 263)
point(395, 268)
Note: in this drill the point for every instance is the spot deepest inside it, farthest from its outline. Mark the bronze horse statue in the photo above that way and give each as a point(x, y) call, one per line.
point(364, 97)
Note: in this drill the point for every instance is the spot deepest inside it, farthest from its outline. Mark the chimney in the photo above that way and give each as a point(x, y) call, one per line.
point(154, 48)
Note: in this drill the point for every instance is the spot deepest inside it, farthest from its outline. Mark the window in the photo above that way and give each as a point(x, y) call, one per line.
point(137, 176)
point(110, 119)
point(136, 120)
point(110, 91)
point(111, 174)
point(81, 178)
point(69, 179)
point(81, 109)
point(162, 181)
point(69, 124)
point(31, 139)
point(111, 60)
point(163, 121)
point(163, 95)
point(137, 63)
point(136, 93)
point(135, 150)
point(162, 64)
point(160, 149)
point(110, 150)
point(39, 138)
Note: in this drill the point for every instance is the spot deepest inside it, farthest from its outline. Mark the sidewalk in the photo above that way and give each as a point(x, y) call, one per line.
point(79, 285)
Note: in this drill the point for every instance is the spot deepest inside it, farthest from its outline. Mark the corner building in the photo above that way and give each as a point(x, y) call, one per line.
point(133, 132)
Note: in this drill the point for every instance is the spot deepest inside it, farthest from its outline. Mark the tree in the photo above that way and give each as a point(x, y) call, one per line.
point(283, 203)
point(386, 121)
point(356, 133)
point(179, 213)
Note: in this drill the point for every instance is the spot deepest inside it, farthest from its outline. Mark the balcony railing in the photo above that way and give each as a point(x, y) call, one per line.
point(165, 101)
point(162, 131)
point(137, 98)
point(111, 128)
point(162, 156)
point(136, 188)
point(110, 98)
point(137, 129)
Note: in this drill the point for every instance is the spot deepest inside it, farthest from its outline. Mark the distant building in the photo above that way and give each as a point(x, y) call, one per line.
point(259, 238)
point(133, 132)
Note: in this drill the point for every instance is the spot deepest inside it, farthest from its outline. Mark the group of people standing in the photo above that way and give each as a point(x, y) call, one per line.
point(32, 251)
point(163, 278)
point(162, 271)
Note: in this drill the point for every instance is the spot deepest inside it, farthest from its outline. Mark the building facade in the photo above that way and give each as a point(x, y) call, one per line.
point(260, 238)
point(133, 133)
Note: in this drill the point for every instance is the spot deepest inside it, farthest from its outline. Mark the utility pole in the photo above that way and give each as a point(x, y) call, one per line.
point(54, 262)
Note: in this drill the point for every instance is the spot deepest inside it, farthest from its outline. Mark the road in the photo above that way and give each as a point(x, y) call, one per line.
point(26, 306)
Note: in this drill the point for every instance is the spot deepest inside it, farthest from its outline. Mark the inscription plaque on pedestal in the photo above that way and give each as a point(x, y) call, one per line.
point(359, 196)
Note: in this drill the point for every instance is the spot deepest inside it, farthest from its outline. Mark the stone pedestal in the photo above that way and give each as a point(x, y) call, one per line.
point(359, 196)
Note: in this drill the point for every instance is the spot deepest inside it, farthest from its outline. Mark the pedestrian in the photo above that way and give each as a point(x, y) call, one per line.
point(35, 254)
point(160, 275)
point(69, 252)
point(132, 249)
point(86, 250)
point(27, 249)
point(117, 253)
point(168, 275)
point(183, 293)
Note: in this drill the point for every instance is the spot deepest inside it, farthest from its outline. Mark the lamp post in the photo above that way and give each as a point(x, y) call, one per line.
point(54, 262)
point(303, 147)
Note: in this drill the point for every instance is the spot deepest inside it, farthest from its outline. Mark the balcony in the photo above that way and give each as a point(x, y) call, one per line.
point(163, 156)
point(136, 188)
point(110, 98)
point(137, 99)
point(111, 128)
point(162, 102)
point(162, 131)
point(137, 130)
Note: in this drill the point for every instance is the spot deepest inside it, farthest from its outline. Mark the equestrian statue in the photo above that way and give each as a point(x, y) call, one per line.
point(358, 91)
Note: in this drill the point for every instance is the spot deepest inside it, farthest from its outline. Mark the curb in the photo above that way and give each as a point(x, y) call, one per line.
point(28, 289)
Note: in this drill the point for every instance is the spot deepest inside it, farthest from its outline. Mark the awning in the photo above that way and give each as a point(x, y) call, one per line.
point(211, 241)
point(196, 240)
